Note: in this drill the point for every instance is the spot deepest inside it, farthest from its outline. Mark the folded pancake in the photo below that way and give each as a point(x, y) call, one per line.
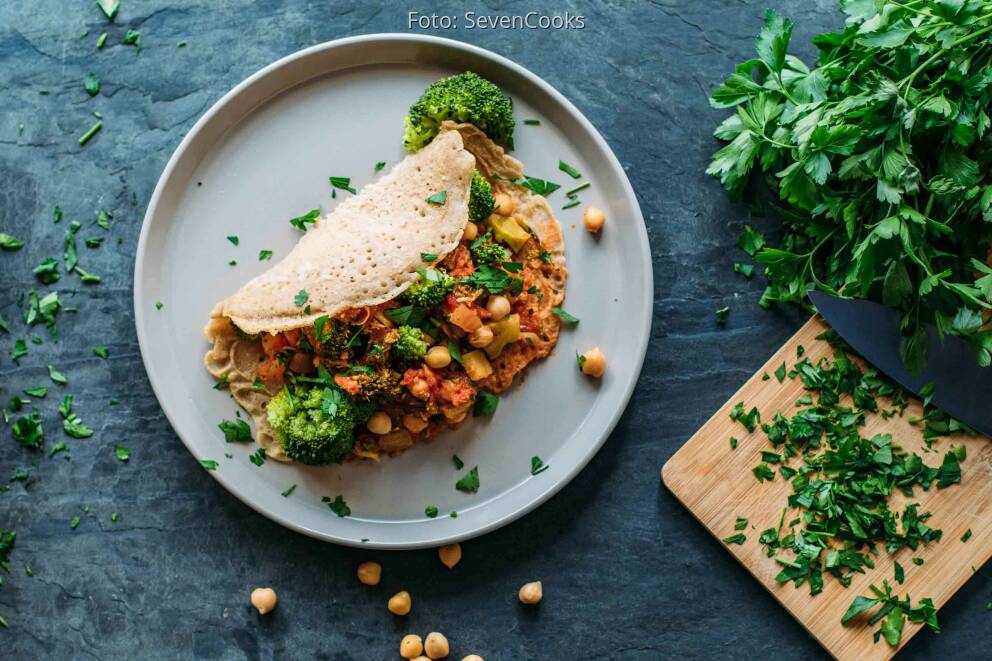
point(361, 257)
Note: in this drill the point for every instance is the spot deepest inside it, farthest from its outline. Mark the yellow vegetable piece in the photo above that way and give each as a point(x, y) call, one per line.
point(504, 333)
point(476, 365)
point(509, 231)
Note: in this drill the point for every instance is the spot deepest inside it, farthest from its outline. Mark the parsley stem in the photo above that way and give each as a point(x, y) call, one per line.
point(84, 138)
point(908, 81)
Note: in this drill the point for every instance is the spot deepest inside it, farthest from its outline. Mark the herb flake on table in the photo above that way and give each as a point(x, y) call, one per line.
point(86, 137)
point(721, 315)
point(109, 8)
point(470, 482)
point(132, 38)
point(91, 84)
point(57, 376)
point(8, 242)
point(101, 352)
point(122, 453)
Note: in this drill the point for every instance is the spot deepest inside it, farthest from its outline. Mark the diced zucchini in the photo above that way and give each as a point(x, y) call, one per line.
point(476, 365)
point(509, 231)
point(504, 332)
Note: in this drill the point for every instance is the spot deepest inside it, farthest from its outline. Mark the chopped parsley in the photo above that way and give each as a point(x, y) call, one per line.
point(572, 192)
point(233, 239)
point(122, 453)
point(38, 392)
point(485, 404)
point(101, 40)
point(532, 122)
point(574, 202)
point(221, 382)
point(257, 457)
point(539, 186)
point(47, 271)
point(564, 316)
point(739, 538)
point(380, 165)
point(86, 137)
point(537, 465)
point(264, 255)
point(338, 506)
point(721, 315)
point(966, 536)
point(740, 523)
point(132, 38)
point(159, 305)
point(56, 376)
point(438, 198)
point(209, 464)
point(109, 8)
point(91, 84)
point(8, 242)
point(747, 270)
point(892, 614)
point(301, 297)
point(235, 431)
point(569, 170)
point(456, 460)
point(469, 483)
point(288, 490)
point(74, 522)
point(428, 257)
point(300, 222)
point(342, 183)
point(431, 511)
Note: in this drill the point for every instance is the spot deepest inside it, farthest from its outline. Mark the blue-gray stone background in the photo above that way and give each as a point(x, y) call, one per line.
point(628, 573)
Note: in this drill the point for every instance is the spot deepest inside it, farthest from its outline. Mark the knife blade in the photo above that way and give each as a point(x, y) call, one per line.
point(962, 388)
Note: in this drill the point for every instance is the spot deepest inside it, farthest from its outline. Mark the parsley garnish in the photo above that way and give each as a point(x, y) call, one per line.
point(574, 202)
point(91, 84)
point(342, 183)
point(8, 242)
point(532, 122)
point(56, 376)
point(84, 138)
point(264, 255)
point(338, 506)
point(132, 38)
point(456, 460)
point(564, 316)
point(966, 536)
point(380, 165)
point(301, 297)
point(235, 431)
point(747, 270)
point(431, 511)
point(257, 457)
point(537, 466)
point(485, 404)
point(539, 186)
point(288, 490)
point(893, 613)
point(493, 279)
point(122, 453)
point(209, 464)
point(572, 192)
point(300, 222)
point(233, 239)
point(739, 538)
point(428, 257)
point(469, 483)
point(438, 198)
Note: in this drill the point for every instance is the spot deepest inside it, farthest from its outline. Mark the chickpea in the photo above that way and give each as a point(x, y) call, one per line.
point(263, 599)
point(473, 657)
point(369, 573)
point(436, 645)
point(420, 389)
point(437, 357)
point(594, 219)
point(504, 204)
point(414, 423)
point(450, 554)
point(411, 646)
point(471, 231)
point(400, 603)
point(499, 307)
point(531, 593)
point(481, 337)
point(594, 363)
point(380, 423)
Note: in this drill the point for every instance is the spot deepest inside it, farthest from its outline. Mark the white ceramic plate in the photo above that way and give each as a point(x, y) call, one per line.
point(263, 154)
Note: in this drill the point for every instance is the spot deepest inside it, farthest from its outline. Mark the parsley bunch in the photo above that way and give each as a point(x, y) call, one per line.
point(879, 158)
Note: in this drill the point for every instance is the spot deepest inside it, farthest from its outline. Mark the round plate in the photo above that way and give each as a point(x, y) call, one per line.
point(262, 155)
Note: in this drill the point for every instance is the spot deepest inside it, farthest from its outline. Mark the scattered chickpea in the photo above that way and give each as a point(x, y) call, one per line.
point(411, 646)
point(594, 364)
point(379, 423)
point(400, 603)
point(450, 554)
point(414, 423)
point(438, 357)
point(594, 219)
point(436, 645)
point(504, 204)
point(481, 337)
point(369, 573)
point(531, 593)
point(471, 231)
point(499, 307)
point(263, 599)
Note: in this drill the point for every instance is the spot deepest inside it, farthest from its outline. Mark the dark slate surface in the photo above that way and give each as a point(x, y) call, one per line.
point(628, 573)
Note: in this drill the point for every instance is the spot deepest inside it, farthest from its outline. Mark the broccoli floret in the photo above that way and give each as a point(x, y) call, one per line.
point(465, 97)
point(410, 347)
point(377, 383)
point(489, 253)
point(332, 335)
point(307, 432)
point(480, 200)
point(431, 289)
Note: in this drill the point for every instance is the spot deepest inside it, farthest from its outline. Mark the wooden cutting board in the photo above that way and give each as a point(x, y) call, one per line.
point(716, 484)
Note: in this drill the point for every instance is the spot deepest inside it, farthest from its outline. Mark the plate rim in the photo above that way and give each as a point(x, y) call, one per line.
point(646, 295)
